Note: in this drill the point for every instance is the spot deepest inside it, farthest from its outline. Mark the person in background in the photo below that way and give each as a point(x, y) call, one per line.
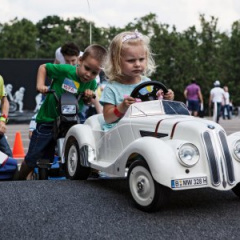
point(129, 61)
point(4, 146)
point(194, 98)
point(226, 104)
point(65, 78)
point(231, 107)
point(216, 98)
point(67, 54)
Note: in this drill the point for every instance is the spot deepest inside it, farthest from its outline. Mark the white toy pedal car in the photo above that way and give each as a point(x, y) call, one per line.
point(160, 147)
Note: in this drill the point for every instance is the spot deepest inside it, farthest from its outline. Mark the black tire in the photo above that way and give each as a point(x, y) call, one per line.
point(43, 173)
point(15, 175)
point(147, 194)
point(236, 189)
point(73, 167)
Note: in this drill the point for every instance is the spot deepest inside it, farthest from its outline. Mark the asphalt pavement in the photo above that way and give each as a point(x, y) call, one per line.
point(102, 208)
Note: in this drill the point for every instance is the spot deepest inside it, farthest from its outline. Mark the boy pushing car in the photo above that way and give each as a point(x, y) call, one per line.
point(65, 78)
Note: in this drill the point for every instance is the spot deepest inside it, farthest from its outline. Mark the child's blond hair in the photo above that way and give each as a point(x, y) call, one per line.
point(112, 67)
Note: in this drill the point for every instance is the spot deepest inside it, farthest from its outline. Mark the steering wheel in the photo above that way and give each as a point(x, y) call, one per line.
point(147, 91)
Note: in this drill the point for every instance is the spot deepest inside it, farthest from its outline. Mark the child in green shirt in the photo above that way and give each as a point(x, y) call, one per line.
point(65, 78)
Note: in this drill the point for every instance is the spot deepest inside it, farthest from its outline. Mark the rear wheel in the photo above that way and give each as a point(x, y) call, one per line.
point(74, 169)
point(147, 194)
point(43, 173)
point(15, 175)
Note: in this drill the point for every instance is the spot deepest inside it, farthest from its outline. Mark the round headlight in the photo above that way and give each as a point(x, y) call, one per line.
point(188, 154)
point(236, 150)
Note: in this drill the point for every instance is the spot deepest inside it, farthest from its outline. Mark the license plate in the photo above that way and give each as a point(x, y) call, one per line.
point(189, 182)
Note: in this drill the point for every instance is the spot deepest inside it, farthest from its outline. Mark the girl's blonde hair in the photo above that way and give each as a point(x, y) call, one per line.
point(112, 67)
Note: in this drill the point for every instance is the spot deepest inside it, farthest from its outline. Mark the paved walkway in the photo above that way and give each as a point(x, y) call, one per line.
point(230, 126)
point(102, 209)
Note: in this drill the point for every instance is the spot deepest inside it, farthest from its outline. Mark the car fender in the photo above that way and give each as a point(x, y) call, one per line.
point(159, 156)
point(232, 139)
point(83, 134)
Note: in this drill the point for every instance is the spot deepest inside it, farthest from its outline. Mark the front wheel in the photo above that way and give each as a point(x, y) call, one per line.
point(147, 194)
point(74, 169)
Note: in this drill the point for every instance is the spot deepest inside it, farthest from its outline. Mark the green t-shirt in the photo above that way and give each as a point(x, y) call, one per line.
point(64, 78)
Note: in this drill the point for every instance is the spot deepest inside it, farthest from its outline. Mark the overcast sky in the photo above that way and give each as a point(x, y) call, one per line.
point(181, 13)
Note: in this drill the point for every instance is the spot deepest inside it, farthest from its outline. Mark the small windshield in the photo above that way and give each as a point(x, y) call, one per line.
point(158, 107)
point(171, 107)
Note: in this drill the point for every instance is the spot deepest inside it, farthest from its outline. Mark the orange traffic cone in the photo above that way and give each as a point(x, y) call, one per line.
point(18, 150)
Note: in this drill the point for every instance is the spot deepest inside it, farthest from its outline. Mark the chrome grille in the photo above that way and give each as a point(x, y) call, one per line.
point(211, 159)
point(219, 158)
point(227, 158)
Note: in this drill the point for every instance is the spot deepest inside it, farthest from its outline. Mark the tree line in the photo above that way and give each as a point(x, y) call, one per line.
point(206, 54)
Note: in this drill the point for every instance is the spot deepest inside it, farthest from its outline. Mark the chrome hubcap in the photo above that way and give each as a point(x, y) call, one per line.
point(140, 186)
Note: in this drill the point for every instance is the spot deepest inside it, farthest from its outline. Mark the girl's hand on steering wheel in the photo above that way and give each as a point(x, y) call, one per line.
point(126, 103)
point(169, 95)
point(160, 94)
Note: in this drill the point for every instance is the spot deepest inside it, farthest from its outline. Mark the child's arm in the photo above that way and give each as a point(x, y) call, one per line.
point(112, 113)
point(4, 112)
point(41, 76)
